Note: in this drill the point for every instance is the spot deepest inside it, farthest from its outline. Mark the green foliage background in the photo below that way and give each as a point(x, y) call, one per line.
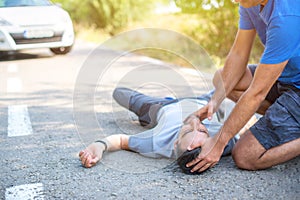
point(109, 15)
point(211, 23)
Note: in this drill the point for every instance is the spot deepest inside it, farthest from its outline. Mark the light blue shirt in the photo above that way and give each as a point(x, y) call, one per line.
point(278, 27)
point(159, 141)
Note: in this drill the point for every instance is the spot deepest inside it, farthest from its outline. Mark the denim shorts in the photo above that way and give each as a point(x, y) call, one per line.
point(281, 122)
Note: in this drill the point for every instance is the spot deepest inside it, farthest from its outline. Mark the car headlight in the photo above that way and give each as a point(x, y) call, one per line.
point(3, 22)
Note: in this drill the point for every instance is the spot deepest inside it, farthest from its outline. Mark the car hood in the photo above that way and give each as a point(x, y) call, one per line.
point(34, 15)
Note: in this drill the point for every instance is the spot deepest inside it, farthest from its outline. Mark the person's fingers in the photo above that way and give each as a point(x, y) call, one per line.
point(193, 162)
point(88, 165)
point(210, 111)
point(199, 165)
point(83, 158)
point(81, 152)
point(86, 159)
point(213, 164)
point(94, 161)
point(201, 112)
point(205, 167)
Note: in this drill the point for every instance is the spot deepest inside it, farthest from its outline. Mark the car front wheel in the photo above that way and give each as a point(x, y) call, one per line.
point(61, 50)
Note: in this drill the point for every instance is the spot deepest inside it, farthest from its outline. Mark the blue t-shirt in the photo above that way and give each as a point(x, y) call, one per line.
point(278, 27)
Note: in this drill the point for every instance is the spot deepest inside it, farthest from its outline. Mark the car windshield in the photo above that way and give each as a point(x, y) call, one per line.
point(17, 3)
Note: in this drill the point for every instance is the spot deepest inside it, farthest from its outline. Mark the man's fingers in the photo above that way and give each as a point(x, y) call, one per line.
point(193, 162)
point(210, 111)
point(198, 166)
point(94, 161)
point(81, 152)
point(214, 164)
point(205, 167)
point(201, 167)
point(85, 159)
point(202, 111)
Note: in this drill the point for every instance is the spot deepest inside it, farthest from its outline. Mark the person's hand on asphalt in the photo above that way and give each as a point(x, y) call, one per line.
point(210, 154)
point(91, 155)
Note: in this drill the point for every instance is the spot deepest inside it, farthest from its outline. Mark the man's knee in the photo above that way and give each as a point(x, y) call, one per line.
point(247, 151)
point(240, 159)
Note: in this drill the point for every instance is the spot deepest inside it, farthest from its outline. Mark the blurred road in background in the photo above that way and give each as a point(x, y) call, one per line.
point(40, 141)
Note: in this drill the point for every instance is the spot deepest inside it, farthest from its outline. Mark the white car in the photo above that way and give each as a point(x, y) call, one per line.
point(27, 24)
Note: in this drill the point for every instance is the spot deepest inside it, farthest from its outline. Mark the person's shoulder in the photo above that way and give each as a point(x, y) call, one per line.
point(286, 8)
point(251, 10)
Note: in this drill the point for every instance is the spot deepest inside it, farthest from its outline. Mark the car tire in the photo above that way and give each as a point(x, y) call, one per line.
point(61, 50)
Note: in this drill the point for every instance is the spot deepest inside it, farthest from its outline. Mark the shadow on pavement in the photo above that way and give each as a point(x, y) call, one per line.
point(17, 55)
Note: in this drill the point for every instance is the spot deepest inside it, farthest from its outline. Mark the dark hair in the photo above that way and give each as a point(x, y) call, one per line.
point(185, 158)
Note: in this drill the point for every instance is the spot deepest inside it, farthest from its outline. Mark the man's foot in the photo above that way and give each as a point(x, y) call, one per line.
point(123, 96)
point(92, 154)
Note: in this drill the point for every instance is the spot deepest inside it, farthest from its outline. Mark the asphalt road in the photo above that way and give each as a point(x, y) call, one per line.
point(61, 103)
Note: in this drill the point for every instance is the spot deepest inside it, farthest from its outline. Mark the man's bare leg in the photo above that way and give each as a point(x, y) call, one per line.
point(94, 152)
point(249, 154)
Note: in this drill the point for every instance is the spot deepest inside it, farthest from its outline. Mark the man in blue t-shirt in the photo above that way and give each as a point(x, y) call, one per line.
point(271, 88)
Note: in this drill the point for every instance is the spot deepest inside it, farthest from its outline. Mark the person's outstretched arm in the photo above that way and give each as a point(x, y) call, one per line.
point(94, 152)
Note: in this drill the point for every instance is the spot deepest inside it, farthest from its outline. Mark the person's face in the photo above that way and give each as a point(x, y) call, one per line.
point(194, 131)
point(250, 3)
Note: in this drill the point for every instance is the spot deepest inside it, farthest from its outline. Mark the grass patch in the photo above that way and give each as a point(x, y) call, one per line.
point(178, 48)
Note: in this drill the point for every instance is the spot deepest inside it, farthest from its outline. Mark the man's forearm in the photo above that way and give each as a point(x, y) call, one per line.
point(235, 65)
point(240, 115)
point(226, 79)
point(250, 101)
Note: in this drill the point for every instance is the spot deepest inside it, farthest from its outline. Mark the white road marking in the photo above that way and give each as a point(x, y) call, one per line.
point(14, 85)
point(12, 68)
point(27, 191)
point(19, 123)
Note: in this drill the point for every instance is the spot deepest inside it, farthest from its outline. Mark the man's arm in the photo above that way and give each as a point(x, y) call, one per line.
point(233, 71)
point(265, 77)
point(94, 152)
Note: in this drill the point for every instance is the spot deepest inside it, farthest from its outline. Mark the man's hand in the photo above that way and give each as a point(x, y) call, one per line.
point(91, 155)
point(207, 111)
point(88, 159)
point(209, 156)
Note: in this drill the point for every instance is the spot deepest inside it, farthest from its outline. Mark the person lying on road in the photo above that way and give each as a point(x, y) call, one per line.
point(169, 132)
